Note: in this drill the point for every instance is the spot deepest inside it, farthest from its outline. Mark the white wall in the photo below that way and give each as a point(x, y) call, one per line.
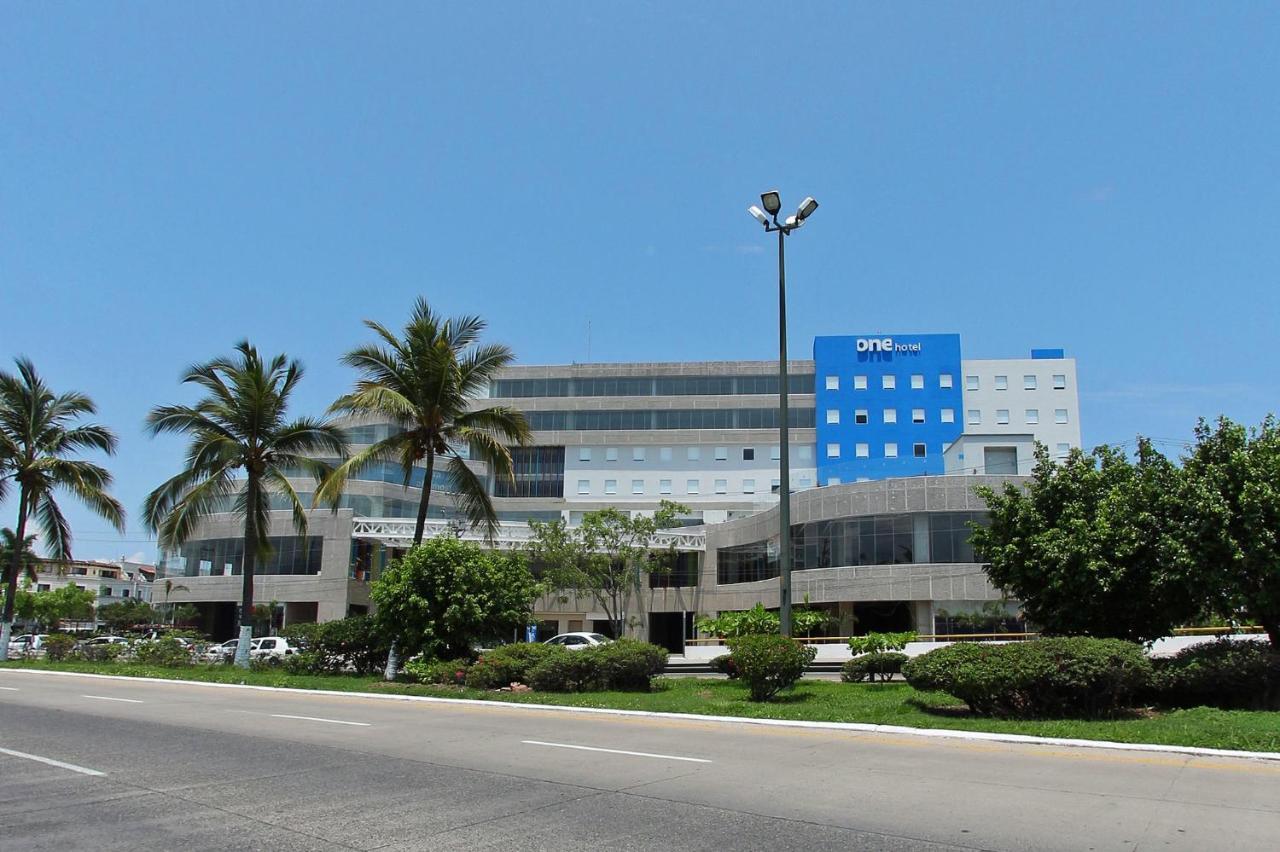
point(1016, 399)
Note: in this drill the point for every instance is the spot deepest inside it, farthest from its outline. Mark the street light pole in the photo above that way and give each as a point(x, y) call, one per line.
point(769, 218)
point(784, 451)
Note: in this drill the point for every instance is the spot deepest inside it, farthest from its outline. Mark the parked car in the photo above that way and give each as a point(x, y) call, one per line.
point(27, 645)
point(98, 641)
point(222, 652)
point(578, 641)
point(271, 646)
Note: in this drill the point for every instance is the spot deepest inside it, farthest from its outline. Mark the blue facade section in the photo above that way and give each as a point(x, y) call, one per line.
point(933, 358)
point(1047, 354)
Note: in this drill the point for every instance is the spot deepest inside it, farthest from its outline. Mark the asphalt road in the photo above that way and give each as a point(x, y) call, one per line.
point(199, 767)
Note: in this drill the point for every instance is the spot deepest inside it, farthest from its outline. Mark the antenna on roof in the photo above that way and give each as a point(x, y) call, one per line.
point(588, 341)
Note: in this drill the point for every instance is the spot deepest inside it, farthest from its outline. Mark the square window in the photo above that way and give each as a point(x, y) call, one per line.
point(859, 382)
point(1002, 416)
point(862, 451)
point(1059, 415)
point(918, 450)
point(917, 415)
point(1028, 382)
point(860, 416)
point(774, 485)
point(1033, 416)
point(891, 415)
point(888, 382)
point(833, 451)
point(748, 486)
point(975, 417)
point(804, 452)
point(748, 453)
point(611, 486)
point(691, 486)
point(775, 453)
point(584, 454)
point(637, 453)
point(664, 486)
point(944, 380)
point(917, 382)
point(833, 383)
point(1059, 381)
point(971, 383)
point(722, 486)
point(891, 451)
point(664, 453)
point(637, 486)
point(722, 453)
point(584, 486)
point(833, 415)
point(1063, 450)
point(806, 482)
point(833, 480)
point(694, 453)
point(611, 454)
point(947, 415)
point(1002, 382)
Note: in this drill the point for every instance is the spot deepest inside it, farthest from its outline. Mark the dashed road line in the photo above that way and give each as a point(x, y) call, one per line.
point(317, 719)
point(109, 698)
point(618, 751)
point(49, 761)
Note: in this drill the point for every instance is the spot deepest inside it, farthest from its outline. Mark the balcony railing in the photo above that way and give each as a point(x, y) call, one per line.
point(398, 532)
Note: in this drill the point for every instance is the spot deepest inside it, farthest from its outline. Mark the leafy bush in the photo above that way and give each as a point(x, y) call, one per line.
point(334, 647)
point(724, 665)
point(626, 663)
point(878, 643)
point(572, 671)
point(167, 652)
point(770, 663)
point(444, 672)
point(302, 663)
point(58, 646)
point(1227, 674)
point(99, 653)
point(508, 664)
point(623, 665)
point(1062, 677)
point(869, 667)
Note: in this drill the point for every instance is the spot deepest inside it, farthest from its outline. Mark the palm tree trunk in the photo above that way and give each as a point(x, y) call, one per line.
point(393, 656)
point(246, 589)
point(11, 582)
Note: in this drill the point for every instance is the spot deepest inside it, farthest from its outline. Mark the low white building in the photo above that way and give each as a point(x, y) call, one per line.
point(111, 582)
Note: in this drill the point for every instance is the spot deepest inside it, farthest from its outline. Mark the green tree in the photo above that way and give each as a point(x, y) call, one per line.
point(23, 554)
point(424, 384)
point(242, 449)
point(39, 433)
point(1094, 544)
point(445, 594)
point(609, 556)
point(122, 615)
point(1233, 502)
point(69, 603)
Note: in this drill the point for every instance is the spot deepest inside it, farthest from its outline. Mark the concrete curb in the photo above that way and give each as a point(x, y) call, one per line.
point(856, 727)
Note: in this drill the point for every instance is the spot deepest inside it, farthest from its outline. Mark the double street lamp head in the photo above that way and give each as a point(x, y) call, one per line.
point(772, 202)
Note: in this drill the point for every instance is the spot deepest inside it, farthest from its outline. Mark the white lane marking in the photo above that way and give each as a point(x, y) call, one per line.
point(51, 762)
point(9, 688)
point(109, 698)
point(617, 751)
point(315, 719)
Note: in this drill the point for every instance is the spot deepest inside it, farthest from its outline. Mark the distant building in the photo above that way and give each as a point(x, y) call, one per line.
point(111, 582)
point(889, 434)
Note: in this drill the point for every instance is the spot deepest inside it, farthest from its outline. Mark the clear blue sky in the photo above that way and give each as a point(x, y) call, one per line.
point(1102, 177)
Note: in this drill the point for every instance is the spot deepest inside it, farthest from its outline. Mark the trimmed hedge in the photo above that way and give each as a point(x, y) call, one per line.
point(871, 667)
point(770, 663)
point(1232, 675)
point(1044, 678)
point(168, 652)
point(508, 664)
point(334, 647)
point(439, 672)
point(621, 665)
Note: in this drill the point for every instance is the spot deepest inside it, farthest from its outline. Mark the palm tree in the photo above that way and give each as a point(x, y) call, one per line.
point(38, 431)
point(423, 384)
point(28, 561)
point(169, 588)
point(242, 449)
